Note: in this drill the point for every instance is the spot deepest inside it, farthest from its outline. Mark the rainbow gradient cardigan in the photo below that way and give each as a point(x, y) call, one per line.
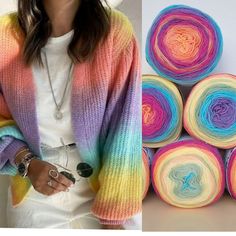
point(105, 111)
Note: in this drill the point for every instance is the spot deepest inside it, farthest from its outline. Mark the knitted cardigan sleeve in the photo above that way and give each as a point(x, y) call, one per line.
point(120, 195)
point(11, 140)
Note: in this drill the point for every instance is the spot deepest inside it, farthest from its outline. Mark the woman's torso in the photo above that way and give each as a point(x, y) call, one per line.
point(57, 67)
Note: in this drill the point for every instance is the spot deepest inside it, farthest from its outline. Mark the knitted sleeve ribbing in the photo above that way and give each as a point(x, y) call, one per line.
point(120, 194)
point(11, 140)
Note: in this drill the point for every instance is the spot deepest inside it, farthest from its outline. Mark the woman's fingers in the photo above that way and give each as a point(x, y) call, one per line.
point(57, 186)
point(61, 179)
point(40, 174)
point(51, 187)
point(46, 189)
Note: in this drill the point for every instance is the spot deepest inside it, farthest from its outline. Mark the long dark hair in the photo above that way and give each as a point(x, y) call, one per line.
point(91, 24)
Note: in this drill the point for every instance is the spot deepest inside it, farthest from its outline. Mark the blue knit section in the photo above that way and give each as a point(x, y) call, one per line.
point(14, 132)
point(11, 131)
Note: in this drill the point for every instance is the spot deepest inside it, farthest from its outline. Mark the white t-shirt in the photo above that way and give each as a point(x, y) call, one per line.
point(50, 129)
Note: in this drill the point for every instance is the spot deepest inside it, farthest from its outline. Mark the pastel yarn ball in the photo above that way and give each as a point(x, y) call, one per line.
point(183, 44)
point(147, 155)
point(188, 174)
point(162, 109)
point(230, 167)
point(210, 111)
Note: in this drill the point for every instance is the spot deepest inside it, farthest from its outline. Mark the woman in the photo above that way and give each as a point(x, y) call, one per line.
point(70, 109)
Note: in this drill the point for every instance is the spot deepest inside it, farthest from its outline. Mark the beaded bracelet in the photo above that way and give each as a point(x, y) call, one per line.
point(20, 152)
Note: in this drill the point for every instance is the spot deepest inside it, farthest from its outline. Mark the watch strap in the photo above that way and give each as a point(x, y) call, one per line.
point(23, 166)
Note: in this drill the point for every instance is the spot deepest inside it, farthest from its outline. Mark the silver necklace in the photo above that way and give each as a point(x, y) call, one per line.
point(58, 115)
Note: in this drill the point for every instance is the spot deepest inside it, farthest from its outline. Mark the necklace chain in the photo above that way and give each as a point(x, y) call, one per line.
point(58, 114)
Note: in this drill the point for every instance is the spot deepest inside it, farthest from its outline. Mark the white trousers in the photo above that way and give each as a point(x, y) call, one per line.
point(62, 210)
point(67, 210)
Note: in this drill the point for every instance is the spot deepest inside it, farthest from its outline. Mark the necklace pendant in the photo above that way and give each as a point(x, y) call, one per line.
point(58, 115)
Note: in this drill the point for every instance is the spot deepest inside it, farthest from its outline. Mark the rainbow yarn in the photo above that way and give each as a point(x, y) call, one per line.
point(188, 173)
point(147, 155)
point(210, 111)
point(183, 44)
point(162, 109)
point(231, 172)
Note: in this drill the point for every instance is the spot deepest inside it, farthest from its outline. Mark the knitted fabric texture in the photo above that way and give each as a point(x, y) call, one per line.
point(230, 169)
point(162, 109)
point(188, 173)
point(210, 111)
point(106, 116)
point(147, 154)
point(183, 44)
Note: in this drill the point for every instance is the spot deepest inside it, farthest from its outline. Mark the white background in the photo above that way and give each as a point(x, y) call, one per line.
point(132, 8)
point(223, 11)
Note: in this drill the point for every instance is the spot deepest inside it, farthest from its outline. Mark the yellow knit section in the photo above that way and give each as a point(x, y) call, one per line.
point(9, 19)
point(4, 122)
point(121, 31)
point(19, 188)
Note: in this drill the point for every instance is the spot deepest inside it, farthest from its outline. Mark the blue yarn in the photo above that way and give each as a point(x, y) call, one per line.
point(203, 113)
point(188, 180)
point(12, 131)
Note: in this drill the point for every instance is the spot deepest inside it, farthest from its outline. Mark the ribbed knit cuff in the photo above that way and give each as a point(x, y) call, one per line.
point(12, 149)
point(112, 222)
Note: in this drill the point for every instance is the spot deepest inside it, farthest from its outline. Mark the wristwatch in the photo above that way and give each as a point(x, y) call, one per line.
point(24, 164)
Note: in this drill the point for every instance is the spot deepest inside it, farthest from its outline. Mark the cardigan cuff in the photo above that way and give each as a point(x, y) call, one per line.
point(112, 222)
point(12, 149)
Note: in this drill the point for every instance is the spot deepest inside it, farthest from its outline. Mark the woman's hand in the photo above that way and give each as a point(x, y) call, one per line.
point(38, 173)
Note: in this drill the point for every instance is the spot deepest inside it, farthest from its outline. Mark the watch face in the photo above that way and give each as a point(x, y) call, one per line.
point(84, 170)
point(21, 168)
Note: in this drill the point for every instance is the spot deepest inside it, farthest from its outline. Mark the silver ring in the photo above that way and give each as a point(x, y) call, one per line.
point(50, 183)
point(53, 173)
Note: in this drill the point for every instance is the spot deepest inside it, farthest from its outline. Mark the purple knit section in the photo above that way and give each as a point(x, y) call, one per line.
point(22, 102)
point(86, 119)
point(12, 149)
point(9, 146)
point(5, 141)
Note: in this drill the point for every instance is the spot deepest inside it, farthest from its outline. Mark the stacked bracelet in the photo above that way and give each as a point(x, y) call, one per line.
point(20, 152)
point(24, 163)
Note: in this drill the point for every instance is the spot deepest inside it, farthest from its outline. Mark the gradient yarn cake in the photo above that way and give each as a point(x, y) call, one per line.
point(188, 173)
point(210, 111)
point(183, 44)
point(231, 172)
point(162, 109)
point(147, 155)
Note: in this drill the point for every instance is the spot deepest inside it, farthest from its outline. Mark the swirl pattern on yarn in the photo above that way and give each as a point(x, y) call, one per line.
point(188, 173)
point(187, 178)
point(183, 44)
point(147, 155)
point(210, 111)
point(230, 166)
point(162, 109)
